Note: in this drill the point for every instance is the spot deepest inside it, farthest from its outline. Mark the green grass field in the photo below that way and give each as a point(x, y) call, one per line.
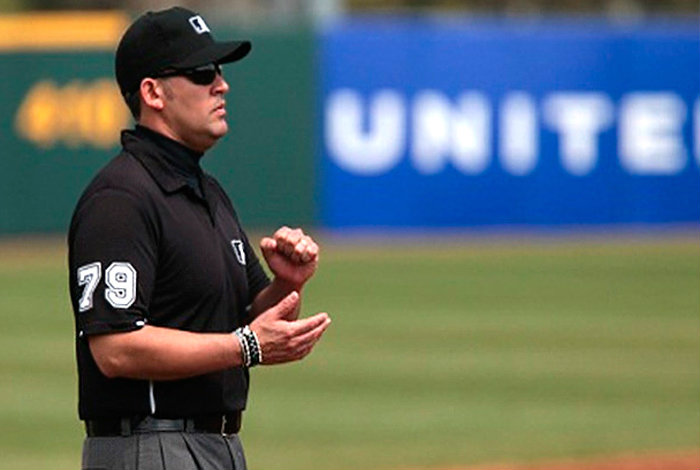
point(442, 354)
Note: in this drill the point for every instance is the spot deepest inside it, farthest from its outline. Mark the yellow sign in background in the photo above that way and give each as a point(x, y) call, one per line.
point(56, 31)
point(79, 113)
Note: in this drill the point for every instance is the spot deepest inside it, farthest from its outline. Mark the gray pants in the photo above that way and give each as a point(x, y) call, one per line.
point(164, 451)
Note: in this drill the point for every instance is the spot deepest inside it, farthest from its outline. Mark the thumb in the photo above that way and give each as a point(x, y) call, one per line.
point(268, 246)
point(286, 307)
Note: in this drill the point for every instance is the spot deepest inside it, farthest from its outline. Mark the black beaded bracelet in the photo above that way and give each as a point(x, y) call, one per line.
point(254, 346)
point(250, 346)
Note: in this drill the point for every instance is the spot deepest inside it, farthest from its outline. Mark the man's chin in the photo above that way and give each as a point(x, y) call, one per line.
point(220, 129)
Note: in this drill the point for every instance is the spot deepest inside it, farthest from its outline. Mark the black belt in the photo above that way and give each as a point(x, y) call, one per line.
point(217, 424)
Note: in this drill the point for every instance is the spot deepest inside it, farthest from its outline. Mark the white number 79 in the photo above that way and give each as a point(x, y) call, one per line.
point(120, 278)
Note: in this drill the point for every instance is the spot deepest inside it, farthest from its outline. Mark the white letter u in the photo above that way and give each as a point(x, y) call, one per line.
point(371, 151)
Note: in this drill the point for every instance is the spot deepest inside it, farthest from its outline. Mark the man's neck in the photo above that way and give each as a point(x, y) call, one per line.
point(156, 124)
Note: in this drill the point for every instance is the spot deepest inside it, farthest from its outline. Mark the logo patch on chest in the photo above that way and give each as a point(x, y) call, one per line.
point(238, 249)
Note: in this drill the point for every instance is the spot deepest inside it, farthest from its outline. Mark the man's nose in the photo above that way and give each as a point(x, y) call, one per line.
point(221, 85)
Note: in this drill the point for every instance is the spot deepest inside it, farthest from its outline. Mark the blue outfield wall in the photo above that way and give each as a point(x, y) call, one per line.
point(453, 123)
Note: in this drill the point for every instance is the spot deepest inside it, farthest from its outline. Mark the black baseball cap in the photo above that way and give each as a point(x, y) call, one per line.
point(176, 38)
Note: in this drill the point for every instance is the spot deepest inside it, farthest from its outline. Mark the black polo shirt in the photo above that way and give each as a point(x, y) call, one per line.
point(153, 240)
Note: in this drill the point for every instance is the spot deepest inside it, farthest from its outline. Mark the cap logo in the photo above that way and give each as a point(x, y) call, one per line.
point(199, 25)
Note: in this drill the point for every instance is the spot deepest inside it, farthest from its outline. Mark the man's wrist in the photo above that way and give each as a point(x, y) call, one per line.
point(288, 286)
point(251, 351)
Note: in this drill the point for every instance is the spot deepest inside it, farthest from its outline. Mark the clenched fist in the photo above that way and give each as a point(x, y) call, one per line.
point(291, 255)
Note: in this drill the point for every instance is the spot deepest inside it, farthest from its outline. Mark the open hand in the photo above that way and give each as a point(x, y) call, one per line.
point(283, 339)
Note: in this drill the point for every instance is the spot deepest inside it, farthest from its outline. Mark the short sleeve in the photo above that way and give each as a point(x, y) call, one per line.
point(112, 262)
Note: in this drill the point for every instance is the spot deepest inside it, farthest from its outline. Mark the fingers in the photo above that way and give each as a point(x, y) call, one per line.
point(308, 338)
point(305, 338)
point(293, 243)
point(285, 341)
point(305, 251)
point(302, 327)
point(268, 244)
point(286, 307)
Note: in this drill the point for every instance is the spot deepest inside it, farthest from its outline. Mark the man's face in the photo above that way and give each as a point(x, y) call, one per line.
point(195, 114)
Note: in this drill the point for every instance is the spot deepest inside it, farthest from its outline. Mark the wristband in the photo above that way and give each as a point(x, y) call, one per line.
point(244, 347)
point(251, 351)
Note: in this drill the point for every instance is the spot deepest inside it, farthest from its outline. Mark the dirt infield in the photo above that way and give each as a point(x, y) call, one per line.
point(677, 461)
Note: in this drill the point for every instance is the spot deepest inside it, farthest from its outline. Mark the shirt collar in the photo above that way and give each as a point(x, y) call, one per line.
point(183, 159)
point(170, 163)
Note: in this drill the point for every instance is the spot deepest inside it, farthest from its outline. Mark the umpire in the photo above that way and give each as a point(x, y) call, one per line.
point(172, 306)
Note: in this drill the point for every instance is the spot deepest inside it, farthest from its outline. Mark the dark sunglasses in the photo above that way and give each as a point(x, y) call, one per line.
point(204, 75)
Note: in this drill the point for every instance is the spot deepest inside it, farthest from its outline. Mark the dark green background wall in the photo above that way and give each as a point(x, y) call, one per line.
point(59, 115)
point(267, 160)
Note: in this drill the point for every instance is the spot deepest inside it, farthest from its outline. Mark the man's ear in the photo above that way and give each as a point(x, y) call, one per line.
point(152, 94)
